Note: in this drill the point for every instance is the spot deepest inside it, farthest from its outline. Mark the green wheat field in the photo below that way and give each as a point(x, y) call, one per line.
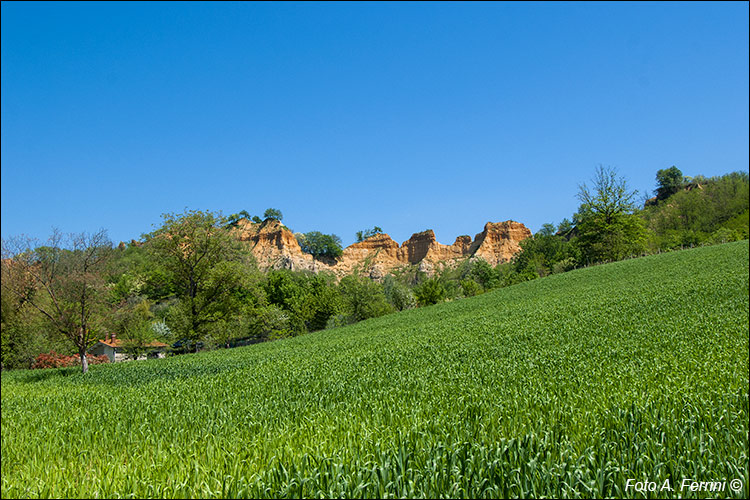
point(565, 387)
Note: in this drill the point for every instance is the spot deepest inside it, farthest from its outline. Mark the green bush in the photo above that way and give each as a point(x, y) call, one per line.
point(470, 288)
point(363, 298)
point(398, 294)
point(430, 292)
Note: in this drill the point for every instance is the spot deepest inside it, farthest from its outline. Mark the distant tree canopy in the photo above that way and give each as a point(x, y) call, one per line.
point(272, 213)
point(565, 227)
point(692, 216)
point(233, 219)
point(318, 244)
point(669, 181)
point(548, 252)
point(547, 229)
point(368, 233)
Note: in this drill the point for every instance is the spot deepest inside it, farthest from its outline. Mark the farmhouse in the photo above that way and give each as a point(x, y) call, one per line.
point(115, 351)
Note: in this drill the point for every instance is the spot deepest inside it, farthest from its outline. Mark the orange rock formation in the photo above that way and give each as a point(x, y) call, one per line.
point(275, 247)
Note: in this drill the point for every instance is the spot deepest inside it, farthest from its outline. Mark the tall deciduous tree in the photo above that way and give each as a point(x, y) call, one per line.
point(63, 280)
point(607, 225)
point(203, 260)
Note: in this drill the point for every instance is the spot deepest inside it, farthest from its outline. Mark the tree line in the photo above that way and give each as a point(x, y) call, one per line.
point(193, 285)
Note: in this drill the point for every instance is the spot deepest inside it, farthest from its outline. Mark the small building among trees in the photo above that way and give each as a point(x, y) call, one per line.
point(120, 350)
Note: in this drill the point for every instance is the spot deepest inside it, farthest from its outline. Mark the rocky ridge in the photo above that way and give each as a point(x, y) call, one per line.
point(275, 247)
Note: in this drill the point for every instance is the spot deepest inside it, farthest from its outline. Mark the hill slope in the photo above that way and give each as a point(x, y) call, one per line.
point(565, 386)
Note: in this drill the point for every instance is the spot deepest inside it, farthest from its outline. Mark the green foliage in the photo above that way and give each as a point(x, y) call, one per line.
point(288, 290)
point(272, 213)
point(137, 271)
point(398, 294)
point(547, 229)
point(323, 302)
point(233, 219)
point(203, 262)
point(24, 333)
point(565, 227)
point(470, 288)
point(564, 265)
point(740, 224)
point(540, 255)
point(429, 292)
point(691, 216)
point(607, 226)
point(368, 233)
point(723, 235)
point(483, 274)
point(309, 299)
point(363, 298)
point(320, 245)
point(63, 281)
point(132, 324)
point(563, 387)
point(269, 322)
point(668, 182)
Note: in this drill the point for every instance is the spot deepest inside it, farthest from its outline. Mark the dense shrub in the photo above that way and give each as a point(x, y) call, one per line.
point(363, 298)
point(430, 292)
point(56, 360)
point(398, 294)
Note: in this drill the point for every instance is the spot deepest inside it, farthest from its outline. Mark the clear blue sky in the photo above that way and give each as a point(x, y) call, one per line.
point(408, 116)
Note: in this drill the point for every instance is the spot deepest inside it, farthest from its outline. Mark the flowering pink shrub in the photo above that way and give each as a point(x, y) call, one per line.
point(55, 360)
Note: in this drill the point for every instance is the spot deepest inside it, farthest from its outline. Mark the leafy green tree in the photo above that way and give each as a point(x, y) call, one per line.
point(430, 292)
point(547, 229)
point(606, 221)
point(273, 213)
point(322, 302)
point(540, 254)
point(565, 227)
point(269, 322)
point(132, 324)
point(363, 298)
point(320, 245)
point(204, 264)
point(482, 273)
point(136, 271)
point(289, 290)
point(368, 233)
point(24, 333)
point(470, 288)
point(398, 294)
point(309, 299)
point(669, 181)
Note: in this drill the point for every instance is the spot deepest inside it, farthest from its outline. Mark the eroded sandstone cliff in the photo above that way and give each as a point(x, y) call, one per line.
point(275, 247)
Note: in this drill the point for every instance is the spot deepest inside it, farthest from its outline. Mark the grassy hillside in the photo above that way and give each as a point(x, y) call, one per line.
point(560, 387)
